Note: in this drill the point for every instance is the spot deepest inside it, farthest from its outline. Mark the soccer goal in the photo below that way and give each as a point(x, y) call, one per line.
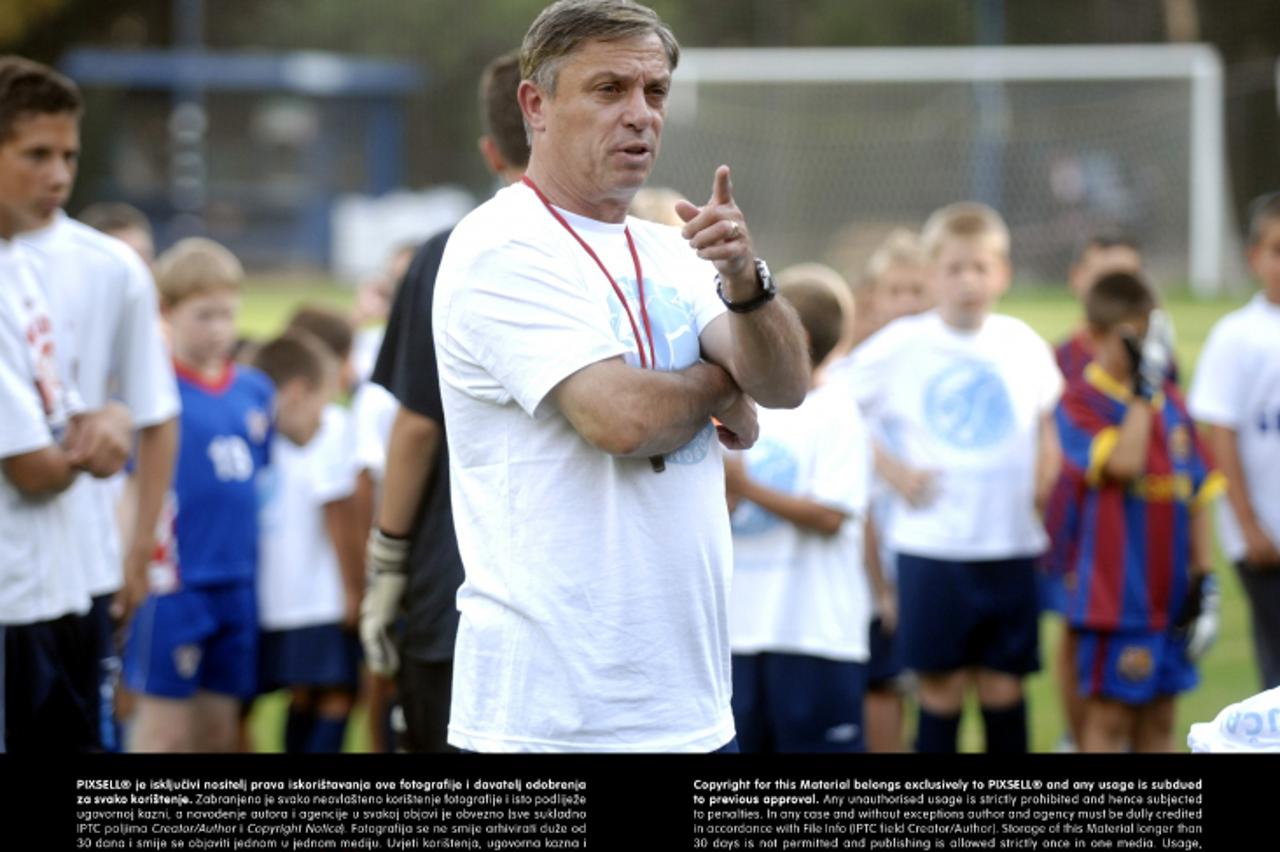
point(831, 148)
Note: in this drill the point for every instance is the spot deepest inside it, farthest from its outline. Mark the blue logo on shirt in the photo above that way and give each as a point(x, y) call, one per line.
point(675, 328)
point(968, 407)
point(675, 344)
point(771, 465)
point(697, 448)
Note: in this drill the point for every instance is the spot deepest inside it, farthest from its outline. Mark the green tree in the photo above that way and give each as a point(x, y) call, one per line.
point(19, 17)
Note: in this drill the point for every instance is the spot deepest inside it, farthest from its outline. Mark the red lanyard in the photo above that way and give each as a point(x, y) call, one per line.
point(635, 257)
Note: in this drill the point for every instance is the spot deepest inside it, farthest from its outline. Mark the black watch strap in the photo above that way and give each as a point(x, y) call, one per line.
point(767, 291)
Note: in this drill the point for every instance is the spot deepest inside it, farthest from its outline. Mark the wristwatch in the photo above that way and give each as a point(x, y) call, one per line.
point(767, 291)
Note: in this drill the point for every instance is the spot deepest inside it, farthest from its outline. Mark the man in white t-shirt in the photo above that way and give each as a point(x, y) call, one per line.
point(1236, 392)
point(964, 399)
point(110, 347)
point(582, 355)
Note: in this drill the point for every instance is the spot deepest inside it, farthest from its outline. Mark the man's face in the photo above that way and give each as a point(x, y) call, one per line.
point(599, 133)
point(37, 169)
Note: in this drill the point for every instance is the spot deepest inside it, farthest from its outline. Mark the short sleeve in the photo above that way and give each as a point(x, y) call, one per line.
point(330, 463)
point(372, 412)
point(24, 428)
point(406, 364)
point(144, 373)
point(1217, 394)
point(519, 315)
point(869, 371)
point(701, 290)
point(695, 278)
point(1087, 433)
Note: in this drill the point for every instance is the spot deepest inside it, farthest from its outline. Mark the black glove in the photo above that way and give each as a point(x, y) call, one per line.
point(1198, 620)
point(1142, 386)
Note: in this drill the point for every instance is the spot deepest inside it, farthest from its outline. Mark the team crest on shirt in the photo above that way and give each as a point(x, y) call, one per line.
point(186, 659)
point(968, 406)
point(675, 344)
point(1135, 663)
point(257, 423)
point(1180, 442)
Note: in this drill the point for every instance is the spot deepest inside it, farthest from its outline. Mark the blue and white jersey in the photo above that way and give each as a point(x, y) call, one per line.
point(226, 432)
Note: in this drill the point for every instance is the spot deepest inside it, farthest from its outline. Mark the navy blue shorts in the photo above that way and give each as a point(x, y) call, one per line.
point(202, 638)
point(50, 687)
point(798, 703)
point(1134, 667)
point(885, 667)
point(956, 615)
point(322, 655)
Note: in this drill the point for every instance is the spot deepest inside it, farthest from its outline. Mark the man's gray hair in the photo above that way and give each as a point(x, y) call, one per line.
point(565, 24)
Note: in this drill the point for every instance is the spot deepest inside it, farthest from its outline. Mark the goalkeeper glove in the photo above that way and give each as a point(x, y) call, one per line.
point(1200, 616)
point(385, 559)
point(1146, 365)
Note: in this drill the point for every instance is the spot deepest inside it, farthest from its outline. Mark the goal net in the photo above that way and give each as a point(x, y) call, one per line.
point(832, 148)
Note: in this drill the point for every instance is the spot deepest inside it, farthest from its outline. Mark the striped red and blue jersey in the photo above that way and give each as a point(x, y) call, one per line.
point(1130, 542)
point(1062, 511)
point(1073, 354)
point(226, 432)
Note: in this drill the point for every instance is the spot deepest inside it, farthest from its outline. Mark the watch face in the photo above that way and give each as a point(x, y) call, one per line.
point(766, 279)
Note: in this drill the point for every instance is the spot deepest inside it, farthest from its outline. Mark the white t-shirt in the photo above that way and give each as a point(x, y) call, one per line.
point(593, 616)
point(364, 350)
point(43, 543)
point(299, 579)
point(798, 591)
point(966, 405)
point(110, 347)
point(1237, 385)
point(373, 410)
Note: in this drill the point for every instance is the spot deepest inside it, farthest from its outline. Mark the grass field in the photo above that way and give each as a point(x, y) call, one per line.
point(1227, 674)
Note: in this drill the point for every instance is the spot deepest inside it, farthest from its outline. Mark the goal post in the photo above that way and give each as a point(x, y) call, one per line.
point(1064, 140)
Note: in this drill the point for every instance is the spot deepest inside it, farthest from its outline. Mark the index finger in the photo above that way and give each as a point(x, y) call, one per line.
point(722, 190)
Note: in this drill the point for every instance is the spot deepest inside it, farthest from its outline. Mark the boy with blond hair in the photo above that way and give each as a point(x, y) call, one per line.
point(898, 274)
point(1236, 394)
point(963, 400)
point(193, 642)
point(1142, 605)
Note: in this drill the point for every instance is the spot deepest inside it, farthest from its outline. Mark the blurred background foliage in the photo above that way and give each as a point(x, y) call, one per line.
point(451, 40)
